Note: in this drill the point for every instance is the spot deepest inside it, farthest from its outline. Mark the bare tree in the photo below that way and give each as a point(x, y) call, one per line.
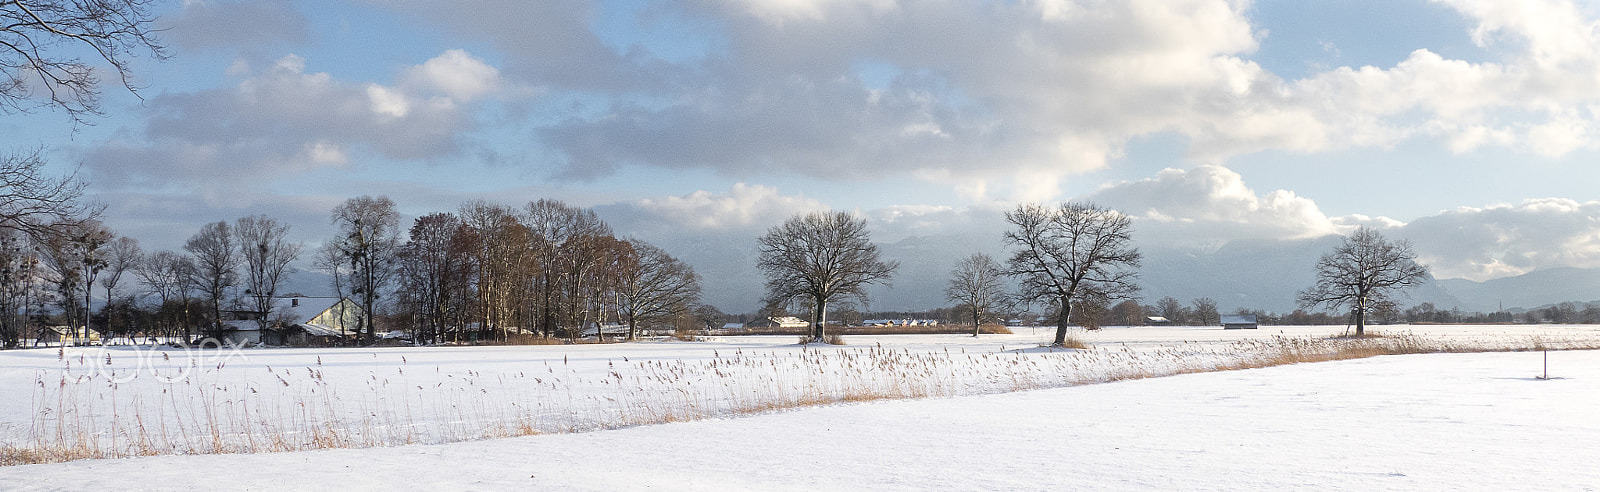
point(35, 203)
point(369, 237)
point(19, 272)
point(563, 237)
point(1361, 273)
point(1205, 312)
point(505, 262)
point(122, 255)
point(655, 286)
point(216, 262)
point(435, 274)
point(1071, 253)
point(975, 286)
point(598, 263)
point(821, 257)
point(39, 40)
point(1173, 310)
point(75, 255)
point(266, 253)
point(171, 277)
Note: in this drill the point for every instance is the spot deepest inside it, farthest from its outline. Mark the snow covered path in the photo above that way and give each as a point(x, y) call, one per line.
point(1440, 422)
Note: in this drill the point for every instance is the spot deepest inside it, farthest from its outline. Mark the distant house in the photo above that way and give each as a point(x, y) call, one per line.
point(297, 321)
point(67, 335)
point(1239, 321)
point(789, 322)
point(610, 329)
point(900, 322)
point(778, 322)
point(1156, 320)
point(733, 326)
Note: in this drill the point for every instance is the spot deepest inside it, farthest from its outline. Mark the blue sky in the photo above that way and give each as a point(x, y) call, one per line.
point(1208, 120)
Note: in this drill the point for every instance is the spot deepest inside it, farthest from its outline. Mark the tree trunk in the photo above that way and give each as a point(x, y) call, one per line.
point(977, 322)
point(821, 319)
point(1361, 316)
point(1062, 319)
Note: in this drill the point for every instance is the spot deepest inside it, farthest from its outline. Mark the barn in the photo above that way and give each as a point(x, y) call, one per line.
point(1239, 321)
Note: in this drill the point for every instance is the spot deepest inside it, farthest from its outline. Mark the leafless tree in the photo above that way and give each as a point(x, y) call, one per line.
point(121, 256)
point(435, 275)
point(563, 237)
point(369, 237)
point(39, 40)
point(74, 255)
point(821, 257)
point(216, 261)
point(597, 263)
point(170, 276)
point(19, 273)
point(654, 286)
point(1361, 273)
point(35, 203)
point(1072, 253)
point(266, 252)
point(1173, 310)
point(1205, 312)
point(976, 287)
point(505, 263)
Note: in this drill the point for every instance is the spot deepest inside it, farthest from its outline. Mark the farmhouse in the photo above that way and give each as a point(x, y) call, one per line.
point(900, 322)
point(609, 329)
point(297, 321)
point(67, 335)
point(1239, 321)
point(779, 322)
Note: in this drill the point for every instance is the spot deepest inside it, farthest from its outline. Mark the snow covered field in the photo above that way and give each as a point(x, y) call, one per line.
point(1405, 421)
point(1431, 422)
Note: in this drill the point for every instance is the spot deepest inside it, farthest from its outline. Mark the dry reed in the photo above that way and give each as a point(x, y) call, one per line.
point(86, 411)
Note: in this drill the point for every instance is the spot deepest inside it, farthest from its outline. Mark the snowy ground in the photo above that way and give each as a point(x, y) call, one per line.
point(1396, 421)
point(1441, 422)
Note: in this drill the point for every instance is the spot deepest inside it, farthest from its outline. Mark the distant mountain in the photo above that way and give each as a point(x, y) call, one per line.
point(1532, 289)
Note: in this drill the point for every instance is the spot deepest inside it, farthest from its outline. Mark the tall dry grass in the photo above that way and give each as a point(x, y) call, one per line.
point(84, 412)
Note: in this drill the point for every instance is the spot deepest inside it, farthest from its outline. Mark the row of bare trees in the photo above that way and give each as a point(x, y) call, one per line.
point(1079, 259)
point(490, 271)
point(487, 272)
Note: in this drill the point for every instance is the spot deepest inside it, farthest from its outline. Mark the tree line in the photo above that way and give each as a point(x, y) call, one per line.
point(484, 272)
point(1076, 259)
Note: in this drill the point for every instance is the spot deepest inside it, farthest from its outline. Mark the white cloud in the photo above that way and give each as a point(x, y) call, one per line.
point(1211, 204)
point(456, 74)
point(743, 206)
point(961, 92)
point(284, 121)
point(386, 101)
point(1505, 240)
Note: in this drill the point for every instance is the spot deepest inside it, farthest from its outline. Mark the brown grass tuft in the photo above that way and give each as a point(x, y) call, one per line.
point(1071, 341)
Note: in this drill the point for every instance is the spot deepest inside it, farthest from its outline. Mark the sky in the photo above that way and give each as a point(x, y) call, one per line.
point(1465, 126)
